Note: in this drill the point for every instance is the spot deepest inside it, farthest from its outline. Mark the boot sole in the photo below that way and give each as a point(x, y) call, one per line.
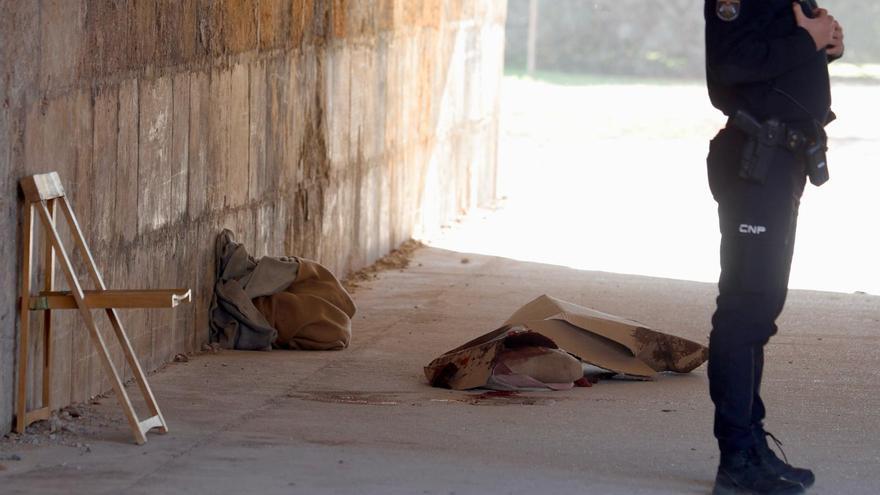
point(724, 490)
point(735, 490)
point(805, 484)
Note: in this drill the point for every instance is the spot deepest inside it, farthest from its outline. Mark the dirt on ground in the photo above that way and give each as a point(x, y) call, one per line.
point(72, 424)
point(398, 259)
point(69, 427)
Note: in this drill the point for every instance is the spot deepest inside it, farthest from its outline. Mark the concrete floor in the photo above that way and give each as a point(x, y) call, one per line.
point(364, 420)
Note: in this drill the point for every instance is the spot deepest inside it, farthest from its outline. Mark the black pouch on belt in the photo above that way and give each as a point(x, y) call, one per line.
point(761, 148)
point(817, 163)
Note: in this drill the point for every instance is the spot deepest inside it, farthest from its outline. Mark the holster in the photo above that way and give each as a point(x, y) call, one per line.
point(766, 139)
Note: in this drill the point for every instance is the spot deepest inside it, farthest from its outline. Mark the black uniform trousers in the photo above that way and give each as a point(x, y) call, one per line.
point(758, 224)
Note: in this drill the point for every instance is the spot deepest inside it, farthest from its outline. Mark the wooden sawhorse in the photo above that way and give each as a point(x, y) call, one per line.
point(42, 194)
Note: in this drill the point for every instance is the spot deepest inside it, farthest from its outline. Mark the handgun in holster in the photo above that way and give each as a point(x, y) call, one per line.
point(760, 149)
point(766, 139)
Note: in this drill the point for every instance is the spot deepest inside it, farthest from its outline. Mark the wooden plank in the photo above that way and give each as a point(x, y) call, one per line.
point(362, 94)
point(81, 190)
point(140, 331)
point(154, 154)
point(111, 313)
point(41, 414)
point(202, 279)
point(236, 185)
point(79, 239)
point(156, 329)
point(103, 202)
point(165, 332)
point(279, 121)
point(258, 178)
point(104, 156)
point(180, 145)
point(134, 363)
point(88, 376)
point(337, 100)
point(198, 144)
point(301, 151)
point(42, 187)
point(184, 270)
point(86, 314)
point(62, 43)
point(102, 299)
point(115, 273)
point(126, 217)
point(115, 321)
point(58, 138)
point(239, 25)
point(148, 350)
point(137, 370)
point(48, 284)
point(274, 23)
point(24, 326)
point(145, 33)
point(81, 183)
point(218, 111)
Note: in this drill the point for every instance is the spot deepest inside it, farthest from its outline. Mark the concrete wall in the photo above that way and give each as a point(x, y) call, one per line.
point(331, 129)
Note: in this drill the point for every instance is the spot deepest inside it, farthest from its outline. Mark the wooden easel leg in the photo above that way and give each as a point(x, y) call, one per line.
point(137, 370)
point(47, 359)
point(156, 420)
point(89, 321)
point(48, 285)
point(24, 314)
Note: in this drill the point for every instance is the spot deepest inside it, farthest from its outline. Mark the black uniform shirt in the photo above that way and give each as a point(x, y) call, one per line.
point(754, 48)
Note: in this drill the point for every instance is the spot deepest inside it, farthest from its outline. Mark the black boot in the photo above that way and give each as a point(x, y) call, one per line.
point(742, 473)
point(775, 465)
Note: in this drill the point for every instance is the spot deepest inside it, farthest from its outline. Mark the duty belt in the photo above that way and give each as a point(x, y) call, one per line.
point(766, 138)
point(771, 132)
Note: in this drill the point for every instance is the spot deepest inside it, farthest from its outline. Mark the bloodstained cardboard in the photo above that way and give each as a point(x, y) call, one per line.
point(606, 341)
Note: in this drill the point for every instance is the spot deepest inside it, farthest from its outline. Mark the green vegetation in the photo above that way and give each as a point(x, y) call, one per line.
point(652, 39)
point(584, 79)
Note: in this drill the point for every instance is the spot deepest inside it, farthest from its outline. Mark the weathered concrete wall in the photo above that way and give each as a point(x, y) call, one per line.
point(331, 129)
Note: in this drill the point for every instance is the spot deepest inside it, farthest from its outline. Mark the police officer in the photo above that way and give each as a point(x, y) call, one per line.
point(767, 69)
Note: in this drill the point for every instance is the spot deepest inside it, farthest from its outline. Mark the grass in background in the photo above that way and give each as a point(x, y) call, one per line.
point(868, 74)
point(580, 79)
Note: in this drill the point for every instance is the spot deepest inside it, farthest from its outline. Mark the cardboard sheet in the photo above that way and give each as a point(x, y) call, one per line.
point(607, 341)
point(506, 359)
point(528, 349)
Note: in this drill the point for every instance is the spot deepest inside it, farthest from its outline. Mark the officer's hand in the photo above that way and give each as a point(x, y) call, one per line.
point(821, 27)
point(835, 49)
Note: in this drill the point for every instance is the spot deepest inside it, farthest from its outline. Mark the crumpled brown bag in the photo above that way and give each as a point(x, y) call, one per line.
point(281, 302)
point(313, 313)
